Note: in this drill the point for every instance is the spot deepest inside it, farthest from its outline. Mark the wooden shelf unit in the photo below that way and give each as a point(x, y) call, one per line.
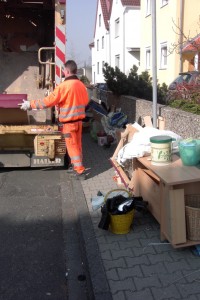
point(165, 187)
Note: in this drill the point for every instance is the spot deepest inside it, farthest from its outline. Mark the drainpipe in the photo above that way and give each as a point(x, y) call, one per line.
point(154, 62)
point(109, 43)
point(124, 40)
point(181, 35)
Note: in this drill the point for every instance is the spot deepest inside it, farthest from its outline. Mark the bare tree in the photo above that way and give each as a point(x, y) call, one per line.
point(184, 39)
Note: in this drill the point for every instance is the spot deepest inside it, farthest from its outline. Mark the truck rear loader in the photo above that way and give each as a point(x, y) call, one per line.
point(32, 52)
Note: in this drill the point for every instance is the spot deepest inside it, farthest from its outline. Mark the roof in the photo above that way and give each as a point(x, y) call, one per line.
point(106, 6)
point(193, 45)
point(130, 2)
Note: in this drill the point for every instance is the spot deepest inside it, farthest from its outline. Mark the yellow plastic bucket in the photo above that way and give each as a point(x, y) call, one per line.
point(120, 224)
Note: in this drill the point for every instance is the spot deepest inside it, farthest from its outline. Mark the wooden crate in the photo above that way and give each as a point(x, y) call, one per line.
point(49, 145)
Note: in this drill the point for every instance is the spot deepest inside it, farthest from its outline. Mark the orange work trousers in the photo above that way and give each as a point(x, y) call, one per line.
point(73, 138)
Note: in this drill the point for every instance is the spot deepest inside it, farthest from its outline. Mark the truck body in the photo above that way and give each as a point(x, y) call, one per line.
point(32, 52)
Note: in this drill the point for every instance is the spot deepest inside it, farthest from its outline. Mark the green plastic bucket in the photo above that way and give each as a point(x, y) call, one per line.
point(161, 150)
point(189, 152)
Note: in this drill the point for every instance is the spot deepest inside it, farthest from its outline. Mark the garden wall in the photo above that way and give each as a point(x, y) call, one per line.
point(183, 123)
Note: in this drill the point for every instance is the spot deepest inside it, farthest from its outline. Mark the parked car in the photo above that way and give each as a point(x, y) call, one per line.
point(186, 78)
point(184, 85)
point(101, 86)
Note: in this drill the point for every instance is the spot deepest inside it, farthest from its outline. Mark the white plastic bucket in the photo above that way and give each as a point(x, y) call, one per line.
point(161, 150)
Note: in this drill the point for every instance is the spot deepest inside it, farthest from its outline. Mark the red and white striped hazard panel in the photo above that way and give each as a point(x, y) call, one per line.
point(59, 51)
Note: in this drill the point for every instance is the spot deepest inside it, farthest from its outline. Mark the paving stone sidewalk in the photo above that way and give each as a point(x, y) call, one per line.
point(137, 265)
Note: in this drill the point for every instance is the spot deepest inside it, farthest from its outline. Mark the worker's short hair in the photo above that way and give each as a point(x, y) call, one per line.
point(71, 66)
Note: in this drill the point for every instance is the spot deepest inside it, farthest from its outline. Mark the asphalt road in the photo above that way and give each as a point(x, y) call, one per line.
point(33, 254)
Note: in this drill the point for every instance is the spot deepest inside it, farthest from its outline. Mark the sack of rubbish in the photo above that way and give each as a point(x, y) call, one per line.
point(120, 205)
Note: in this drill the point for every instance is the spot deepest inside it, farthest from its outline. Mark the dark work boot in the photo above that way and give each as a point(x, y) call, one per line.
point(70, 169)
point(82, 176)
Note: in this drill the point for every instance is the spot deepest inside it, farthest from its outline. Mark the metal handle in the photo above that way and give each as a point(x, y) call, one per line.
point(39, 55)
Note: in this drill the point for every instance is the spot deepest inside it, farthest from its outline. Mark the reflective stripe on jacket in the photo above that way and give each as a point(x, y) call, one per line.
point(70, 96)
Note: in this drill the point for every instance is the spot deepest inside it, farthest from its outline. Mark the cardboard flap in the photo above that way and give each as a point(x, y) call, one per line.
point(124, 137)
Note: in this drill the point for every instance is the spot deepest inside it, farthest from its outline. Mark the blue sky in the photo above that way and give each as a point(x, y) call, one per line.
point(81, 15)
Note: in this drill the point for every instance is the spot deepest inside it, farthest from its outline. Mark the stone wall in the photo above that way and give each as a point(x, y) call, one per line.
point(183, 123)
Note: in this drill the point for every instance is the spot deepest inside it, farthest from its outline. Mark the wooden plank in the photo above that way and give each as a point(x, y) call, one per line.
point(28, 129)
point(120, 172)
point(173, 223)
point(160, 122)
point(148, 121)
point(150, 191)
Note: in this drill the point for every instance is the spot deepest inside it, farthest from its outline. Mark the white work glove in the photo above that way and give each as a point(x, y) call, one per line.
point(25, 105)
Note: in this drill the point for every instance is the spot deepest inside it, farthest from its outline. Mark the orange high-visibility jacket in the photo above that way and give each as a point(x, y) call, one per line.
point(70, 96)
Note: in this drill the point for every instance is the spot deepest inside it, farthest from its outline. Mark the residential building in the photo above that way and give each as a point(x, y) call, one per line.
point(116, 37)
point(176, 22)
point(125, 34)
point(191, 30)
point(123, 37)
point(101, 46)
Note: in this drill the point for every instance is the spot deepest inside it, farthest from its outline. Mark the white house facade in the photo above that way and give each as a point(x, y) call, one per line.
point(116, 37)
point(100, 47)
point(124, 35)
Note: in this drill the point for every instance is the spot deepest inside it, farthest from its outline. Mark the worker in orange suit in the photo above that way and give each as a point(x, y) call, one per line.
point(71, 98)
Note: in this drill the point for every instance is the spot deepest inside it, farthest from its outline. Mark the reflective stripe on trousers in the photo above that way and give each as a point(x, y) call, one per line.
point(73, 138)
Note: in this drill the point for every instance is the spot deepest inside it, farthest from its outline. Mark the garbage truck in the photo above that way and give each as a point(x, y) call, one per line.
point(32, 53)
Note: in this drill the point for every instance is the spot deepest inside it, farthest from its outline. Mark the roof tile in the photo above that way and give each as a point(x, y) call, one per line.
point(131, 2)
point(106, 6)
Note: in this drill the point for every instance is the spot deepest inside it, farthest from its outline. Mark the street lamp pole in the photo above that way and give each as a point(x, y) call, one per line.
point(154, 62)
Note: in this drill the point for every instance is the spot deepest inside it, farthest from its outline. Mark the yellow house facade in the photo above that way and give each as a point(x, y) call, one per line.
point(177, 22)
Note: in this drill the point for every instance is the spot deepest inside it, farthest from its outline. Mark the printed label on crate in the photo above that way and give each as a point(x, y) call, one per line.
point(37, 161)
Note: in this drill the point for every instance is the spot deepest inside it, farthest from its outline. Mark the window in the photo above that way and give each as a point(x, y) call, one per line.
point(117, 27)
point(148, 58)
point(97, 45)
point(148, 7)
point(98, 68)
point(117, 60)
point(164, 2)
point(102, 65)
point(100, 20)
point(102, 42)
point(163, 55)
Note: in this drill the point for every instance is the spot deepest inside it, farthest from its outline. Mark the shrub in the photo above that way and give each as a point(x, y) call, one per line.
point(84, 79)
point(115, 80)
point(134, 85)
point(186, 105)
